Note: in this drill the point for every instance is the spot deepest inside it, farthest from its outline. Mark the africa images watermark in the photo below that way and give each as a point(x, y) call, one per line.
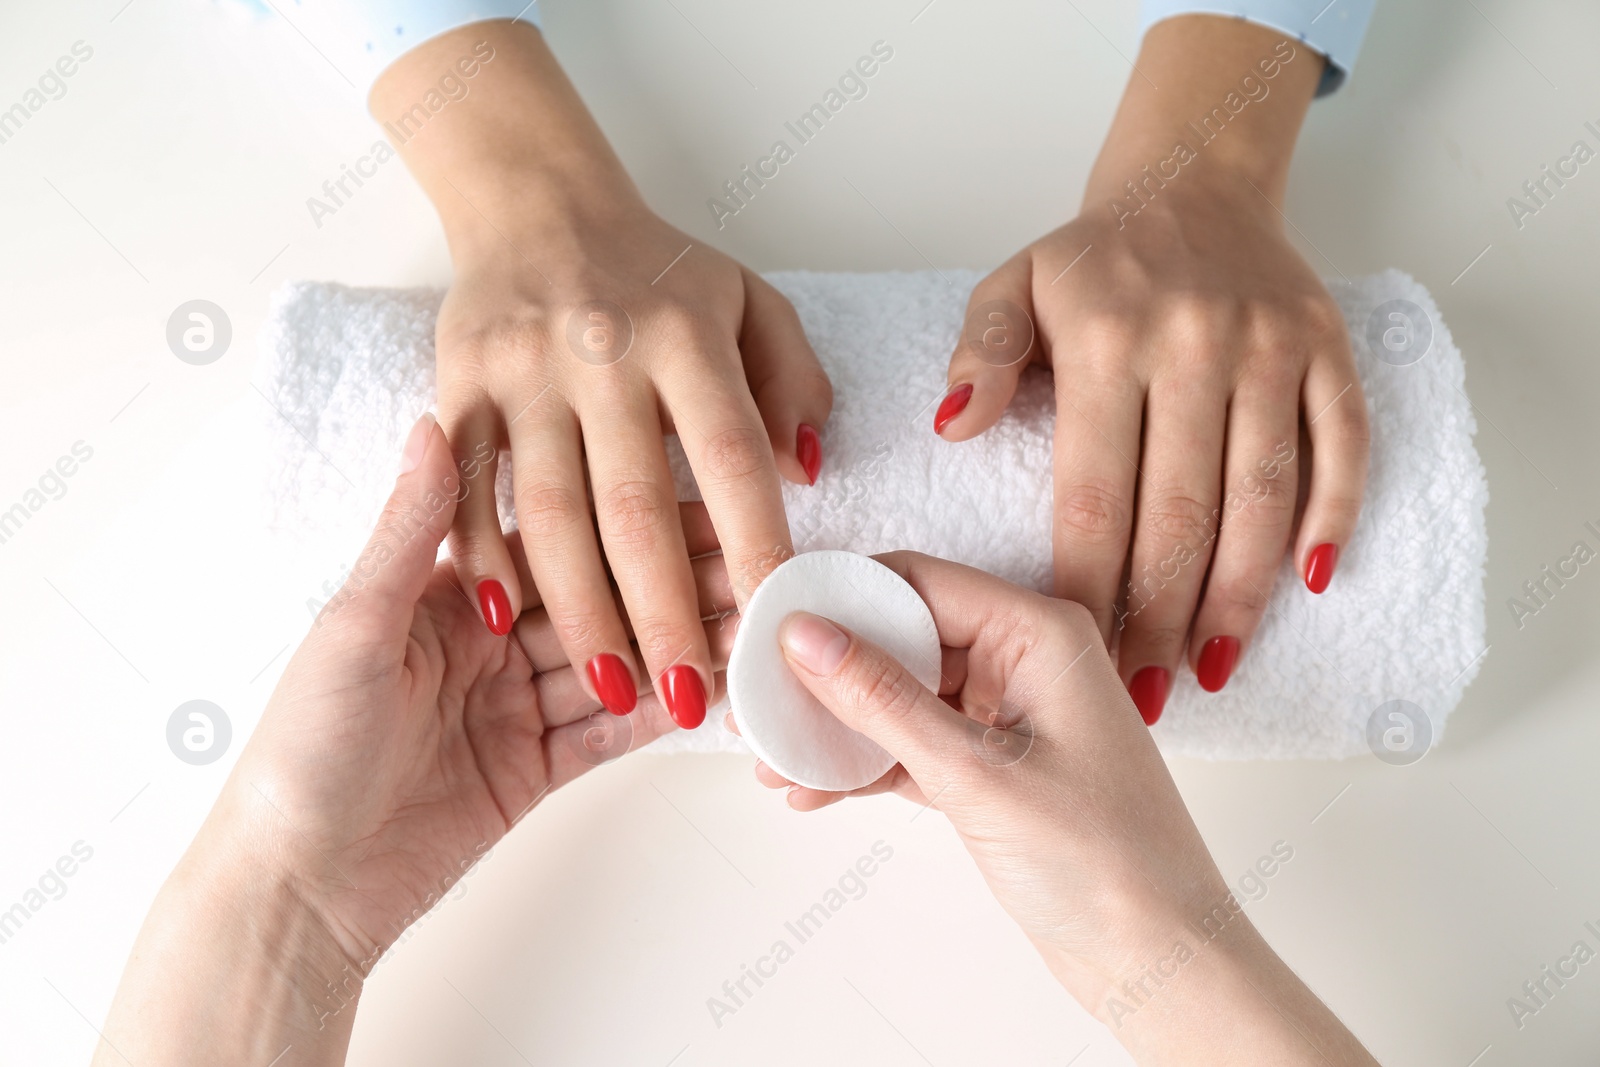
point(851, 885)
point(1539, 191)
point(1540, 990)
point(1251, 90)
point(51, 85)
point(1251, 491)
point(1134, 993)
point(451, 88)
point(51, 485)
point(1553, 578)
point(51, 885)
point(741, 189)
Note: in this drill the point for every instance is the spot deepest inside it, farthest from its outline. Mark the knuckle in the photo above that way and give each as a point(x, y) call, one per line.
point(879, 684)
point(1176, 516)
point(1198, 316)
point(632, 512)
point(1320, 317)
point(1159, 636)
point(736, 452)
point(1092, 512)
point(545, 510)
point(1264, 504)
point(663, 640)
point(749, 570)
point(1105, 337)
point(584, 627)
point(1238, 595)
point(1072, 619)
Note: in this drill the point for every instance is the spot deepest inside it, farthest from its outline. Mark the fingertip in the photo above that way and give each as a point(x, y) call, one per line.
point(808, 450)
point(952, 406)
point(813, 642)
point(418, 442)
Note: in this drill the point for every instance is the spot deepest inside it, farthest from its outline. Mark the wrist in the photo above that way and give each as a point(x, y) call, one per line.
point(234, 963)
point(1232, 96)
point(512, 152)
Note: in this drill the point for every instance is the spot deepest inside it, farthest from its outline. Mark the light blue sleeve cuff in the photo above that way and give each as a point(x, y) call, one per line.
point(361, 38)
point(1333, 28)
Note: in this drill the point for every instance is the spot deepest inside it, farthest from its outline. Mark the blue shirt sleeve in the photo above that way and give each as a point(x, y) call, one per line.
point(362, 37)
point(1333, 27)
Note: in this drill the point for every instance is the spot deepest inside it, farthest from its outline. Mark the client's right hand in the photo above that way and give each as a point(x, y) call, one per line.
point(1035, 752)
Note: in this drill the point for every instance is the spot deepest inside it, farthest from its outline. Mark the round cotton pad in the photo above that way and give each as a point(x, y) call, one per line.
point(784, 725)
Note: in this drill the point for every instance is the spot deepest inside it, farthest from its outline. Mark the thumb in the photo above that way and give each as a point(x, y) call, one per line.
point(998, 341)
point(872, 693)
point(394, 568)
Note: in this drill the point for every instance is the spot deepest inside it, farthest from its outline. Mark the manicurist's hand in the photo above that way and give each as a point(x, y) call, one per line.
point(1036, 754)
point(1190, 345)
point(580, 329)
point(402, 742)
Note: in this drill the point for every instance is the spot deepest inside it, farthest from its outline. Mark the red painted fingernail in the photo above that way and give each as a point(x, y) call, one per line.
point(953, 404)
point(613, 684)
point(1216, 662)
point(808, 447)
point(685, 695)
point(1148, 687)
point(1319, 566)
point(496, 606)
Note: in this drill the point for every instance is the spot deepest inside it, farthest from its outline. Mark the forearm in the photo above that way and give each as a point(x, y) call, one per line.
point(1197, 986)
point(231, 966)
point(1210, 98)
point(1223, 1000)
point(517, 145)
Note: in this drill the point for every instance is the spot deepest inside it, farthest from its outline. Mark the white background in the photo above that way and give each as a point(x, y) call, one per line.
point(178, 165)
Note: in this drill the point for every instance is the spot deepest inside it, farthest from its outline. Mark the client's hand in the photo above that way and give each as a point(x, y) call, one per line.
point(581, 328)
point(1190, 345)
point(402, 742)
point(1034, 750)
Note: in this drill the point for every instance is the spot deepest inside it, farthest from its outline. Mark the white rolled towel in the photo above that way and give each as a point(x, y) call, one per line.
point(348, 370)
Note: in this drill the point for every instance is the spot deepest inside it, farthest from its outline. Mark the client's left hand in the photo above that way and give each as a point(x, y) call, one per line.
point(403, 741)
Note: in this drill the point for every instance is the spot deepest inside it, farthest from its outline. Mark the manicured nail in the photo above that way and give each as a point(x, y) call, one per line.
point(613, 684)
point(496, 606)
point(684, 694)
point(814, 643)
point(808, 447)
point(1216, 662)
point(1148, 687)
point(953, 404)
point(1319, 566)
point(417, 443)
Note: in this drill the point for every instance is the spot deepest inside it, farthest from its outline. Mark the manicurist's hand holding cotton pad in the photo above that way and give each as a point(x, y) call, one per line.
point(784, 725)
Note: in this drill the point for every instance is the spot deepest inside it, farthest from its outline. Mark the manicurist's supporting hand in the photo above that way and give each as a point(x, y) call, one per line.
point(1191, 345)
point(579, 330)
point(402, 742)
point(1037, 755)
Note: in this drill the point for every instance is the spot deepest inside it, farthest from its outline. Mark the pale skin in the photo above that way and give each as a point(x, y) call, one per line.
point(543, 222)
point(1187, 345)
point(404, 740)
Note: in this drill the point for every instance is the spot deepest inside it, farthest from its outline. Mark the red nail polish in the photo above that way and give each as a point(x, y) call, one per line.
point(953, 404)
point(684, 695)
point(1319, 566)
point(1148, 687)
point(613, 684)
point(496, 606)
point(808, 447)
point(1216, 662)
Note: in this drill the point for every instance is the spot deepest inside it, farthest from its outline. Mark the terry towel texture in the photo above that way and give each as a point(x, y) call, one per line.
point(349, 370)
